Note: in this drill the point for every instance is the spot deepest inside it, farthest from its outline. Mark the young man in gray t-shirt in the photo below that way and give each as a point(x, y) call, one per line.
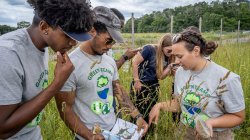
point(87, 97)
point(24, 89)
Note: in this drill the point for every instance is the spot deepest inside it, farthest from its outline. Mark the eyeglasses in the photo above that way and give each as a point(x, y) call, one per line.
point(108, 41)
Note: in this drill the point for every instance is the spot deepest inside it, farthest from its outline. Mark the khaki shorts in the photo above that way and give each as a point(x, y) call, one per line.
point(188, 133)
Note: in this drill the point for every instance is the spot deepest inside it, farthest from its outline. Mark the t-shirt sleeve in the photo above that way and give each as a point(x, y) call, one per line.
point(116, 74)
point(233, 98)
point(146, 52)
point(70, 84)
point(11, 78)
point(177, 89)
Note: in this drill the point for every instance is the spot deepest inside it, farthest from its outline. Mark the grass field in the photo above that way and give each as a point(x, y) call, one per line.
point(234, 57)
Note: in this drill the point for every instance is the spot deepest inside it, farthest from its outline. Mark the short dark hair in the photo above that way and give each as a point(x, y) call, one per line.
point(100, 27)
point(71, 15)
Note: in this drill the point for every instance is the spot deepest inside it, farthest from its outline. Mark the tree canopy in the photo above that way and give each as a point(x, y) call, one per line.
point(230, 11)
point(6, 28)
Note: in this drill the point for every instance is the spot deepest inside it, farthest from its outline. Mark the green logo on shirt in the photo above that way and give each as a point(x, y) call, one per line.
point(102, 81)
point(43, 80)
point(98, 107)
point(94, 72)
point(192, 99)
point(36, 120)
point(105, 108)
point(192, 102)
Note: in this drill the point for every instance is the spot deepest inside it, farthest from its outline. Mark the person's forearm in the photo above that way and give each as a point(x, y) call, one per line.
point(74, 123)
point(170, 106)
point(126, 104)
point(120, 62)
point(135, 72)
point(124, 100)
point(165, 73)
point(226, 121)
point(27, 111)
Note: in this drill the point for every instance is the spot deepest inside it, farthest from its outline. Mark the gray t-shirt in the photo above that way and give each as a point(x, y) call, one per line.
point(24, 73)
point(200, 94)
point(94, 91)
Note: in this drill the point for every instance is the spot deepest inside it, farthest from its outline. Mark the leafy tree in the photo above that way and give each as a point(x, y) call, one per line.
point(23, 24)
point(5, 29)
point(229, 10)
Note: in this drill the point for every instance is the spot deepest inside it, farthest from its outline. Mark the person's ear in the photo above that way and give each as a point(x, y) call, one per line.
point(44, 27)
point(93, 32)
point(197, 51)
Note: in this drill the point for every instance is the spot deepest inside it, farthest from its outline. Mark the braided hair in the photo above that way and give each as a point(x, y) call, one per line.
point(192, 37)
point(71, 15)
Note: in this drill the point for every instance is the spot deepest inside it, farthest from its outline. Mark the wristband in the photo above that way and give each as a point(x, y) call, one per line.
point(125, 57)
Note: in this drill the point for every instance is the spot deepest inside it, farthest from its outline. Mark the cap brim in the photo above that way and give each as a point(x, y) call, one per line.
point(116, 35)
point(79, 36)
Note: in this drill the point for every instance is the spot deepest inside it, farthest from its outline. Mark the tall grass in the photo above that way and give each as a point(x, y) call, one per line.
point(233, 57)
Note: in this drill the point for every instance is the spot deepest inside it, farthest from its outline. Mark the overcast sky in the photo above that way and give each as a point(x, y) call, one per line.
point(13, 11)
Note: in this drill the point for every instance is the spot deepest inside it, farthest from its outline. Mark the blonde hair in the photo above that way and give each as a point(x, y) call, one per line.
point(165, 41)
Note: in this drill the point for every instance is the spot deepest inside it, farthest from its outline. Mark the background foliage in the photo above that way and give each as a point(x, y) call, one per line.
point(231, 11)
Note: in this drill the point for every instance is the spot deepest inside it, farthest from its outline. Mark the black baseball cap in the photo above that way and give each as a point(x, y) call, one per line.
point(111, 21)
point(83, 36)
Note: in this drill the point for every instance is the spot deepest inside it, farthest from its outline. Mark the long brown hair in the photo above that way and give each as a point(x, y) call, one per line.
point(165, 41)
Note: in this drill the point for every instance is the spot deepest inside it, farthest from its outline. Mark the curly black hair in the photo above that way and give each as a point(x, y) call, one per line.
point(71, 15)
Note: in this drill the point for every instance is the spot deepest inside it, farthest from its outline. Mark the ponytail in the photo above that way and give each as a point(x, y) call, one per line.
point(210, 47)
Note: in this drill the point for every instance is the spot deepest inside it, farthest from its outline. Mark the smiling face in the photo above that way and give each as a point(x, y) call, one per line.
point(187, 59)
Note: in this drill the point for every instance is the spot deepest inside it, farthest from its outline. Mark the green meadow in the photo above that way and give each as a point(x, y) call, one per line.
point(233, 56)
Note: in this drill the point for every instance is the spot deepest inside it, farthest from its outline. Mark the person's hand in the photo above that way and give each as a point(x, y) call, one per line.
point(130, 53)
point(63, 69)
point(154, 114)
point(210, 127)
point(142, 124)
point(174, 67)
point(204, 128)
point(137, 85)
point(98, 137)
point(169, 67)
